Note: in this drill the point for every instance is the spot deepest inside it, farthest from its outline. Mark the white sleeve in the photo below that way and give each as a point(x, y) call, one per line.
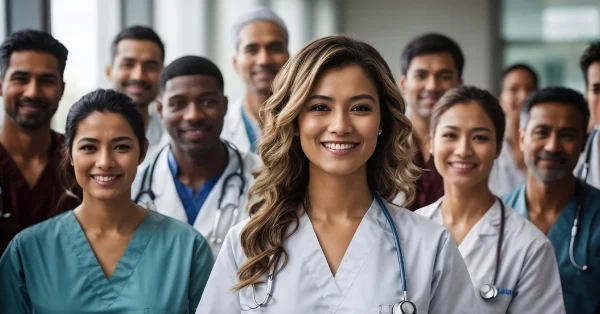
point(539, 289)
point(452, 291)
point(218, 296)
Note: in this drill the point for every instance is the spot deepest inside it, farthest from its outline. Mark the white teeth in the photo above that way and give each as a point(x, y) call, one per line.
point(105, 178)
point(336, 146)
point(462, 166)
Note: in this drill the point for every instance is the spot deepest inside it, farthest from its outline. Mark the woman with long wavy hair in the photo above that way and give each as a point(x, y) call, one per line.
point(321, 236)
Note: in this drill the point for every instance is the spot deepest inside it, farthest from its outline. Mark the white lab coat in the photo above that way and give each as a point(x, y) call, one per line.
point(168, 203)
point(593, 178)
point(506, 176)
point(437, 278)
point(527, 262)
point(234, 129)
point(157, 139)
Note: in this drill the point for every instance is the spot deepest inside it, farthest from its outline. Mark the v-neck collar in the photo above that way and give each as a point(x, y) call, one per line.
point(564, 221)
point(109, 289)
point(335, 289)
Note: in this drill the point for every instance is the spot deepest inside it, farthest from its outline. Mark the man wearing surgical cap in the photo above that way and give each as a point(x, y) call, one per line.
point(198, 175)
point(260, 39)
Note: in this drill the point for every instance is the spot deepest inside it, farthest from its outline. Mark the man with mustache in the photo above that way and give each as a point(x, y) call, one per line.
point(552, 134)
point(138, 55)
point(261, 39)
point(32, 65)
point(431, 65)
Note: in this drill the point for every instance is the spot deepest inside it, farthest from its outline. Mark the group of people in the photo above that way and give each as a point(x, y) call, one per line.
point(328, 187)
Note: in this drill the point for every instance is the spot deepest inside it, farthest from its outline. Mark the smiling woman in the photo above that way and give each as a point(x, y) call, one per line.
point(108, 255)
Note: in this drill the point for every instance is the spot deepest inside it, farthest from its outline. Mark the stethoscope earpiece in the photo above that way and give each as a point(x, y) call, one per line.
point(488, 292)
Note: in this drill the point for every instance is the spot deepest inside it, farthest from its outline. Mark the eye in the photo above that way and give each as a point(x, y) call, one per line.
point(88, 148)
point(449, 135)
point(361, 108)
point(209, 102)
point(123, 148)
point(481, 138)
point(319, 107)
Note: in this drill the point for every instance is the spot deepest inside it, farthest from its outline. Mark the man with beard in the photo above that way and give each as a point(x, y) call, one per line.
point(32, 64)
point(260, 38)
point(138, 55)
point(552, 134)
point(431, 65)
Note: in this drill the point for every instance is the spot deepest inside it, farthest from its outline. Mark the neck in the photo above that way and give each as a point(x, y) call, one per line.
point(195, 170)
point(145, 110)
point(28, 144)
point(252, 103)
point(119, 215)
point(548, 197)
point(462, 205)
point(420, 132)
point(332, 197)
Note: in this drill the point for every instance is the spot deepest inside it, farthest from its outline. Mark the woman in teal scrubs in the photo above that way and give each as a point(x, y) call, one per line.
point(108, 255)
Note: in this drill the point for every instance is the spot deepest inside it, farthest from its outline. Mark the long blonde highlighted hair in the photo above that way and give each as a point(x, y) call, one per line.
point(279, 193)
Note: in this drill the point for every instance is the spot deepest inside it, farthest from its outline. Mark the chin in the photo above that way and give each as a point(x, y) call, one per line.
point(340, 169)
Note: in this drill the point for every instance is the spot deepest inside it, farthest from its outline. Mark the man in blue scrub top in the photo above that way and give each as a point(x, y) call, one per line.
point(552, 135)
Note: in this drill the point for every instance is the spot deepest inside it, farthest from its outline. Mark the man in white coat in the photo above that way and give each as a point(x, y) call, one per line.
point(198, 178)
point(260, 38)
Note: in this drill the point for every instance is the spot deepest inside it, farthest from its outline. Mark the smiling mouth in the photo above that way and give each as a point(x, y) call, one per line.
point(339, 146)
point(462, 165)
point(100, 178)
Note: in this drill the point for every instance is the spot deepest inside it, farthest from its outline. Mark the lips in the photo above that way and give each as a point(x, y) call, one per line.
point(105, 180)
point(339, 146)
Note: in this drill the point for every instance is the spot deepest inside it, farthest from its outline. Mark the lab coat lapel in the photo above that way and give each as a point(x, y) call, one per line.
point(167, 199)
point(234, 130)
point(335, 289)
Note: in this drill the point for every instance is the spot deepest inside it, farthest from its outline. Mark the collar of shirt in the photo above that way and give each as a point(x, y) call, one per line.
point(191, 203)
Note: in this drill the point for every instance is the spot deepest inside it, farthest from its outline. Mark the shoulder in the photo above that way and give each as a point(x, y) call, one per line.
point(430, 209)
point(511, 198)
point(251, 160)
point(174, 227)
point(523, 232)
point(420, 229)
point(43, 231)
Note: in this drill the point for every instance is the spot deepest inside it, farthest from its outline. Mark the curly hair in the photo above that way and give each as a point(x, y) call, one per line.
point(279, 193)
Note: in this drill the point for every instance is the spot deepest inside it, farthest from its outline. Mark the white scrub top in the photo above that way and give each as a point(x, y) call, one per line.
point(528, 279)
point(167, 201)
point(368, 276)
point(506, 176)
point(593, 178)
point(234, 129)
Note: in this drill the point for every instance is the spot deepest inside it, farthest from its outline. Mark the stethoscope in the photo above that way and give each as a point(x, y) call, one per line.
point(588, 155)
point(3, 215)
point(402, 307)
point(214, 237)
point(489, 291)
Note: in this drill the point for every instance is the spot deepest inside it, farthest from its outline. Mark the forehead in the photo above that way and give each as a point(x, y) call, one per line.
point(138, 49)
point(556, 115)
point(594, 73)
point(433, 61)
point(344, 82)
point(104, 125)
point(518, 76)
point(187, 84)
point(261, 32)
point(466, 115)
point(34, 62)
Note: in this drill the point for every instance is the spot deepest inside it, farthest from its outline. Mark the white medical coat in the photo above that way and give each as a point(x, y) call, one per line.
point(368, 276)
point(168, 203)
point(234, 129)
point(593, 178)
point(506, 176)
point(528, 278)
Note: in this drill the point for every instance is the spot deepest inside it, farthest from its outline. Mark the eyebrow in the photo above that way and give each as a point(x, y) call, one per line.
point(353, 98)
point(25, 73)
point(477, 129)
point(94, 140)
point(133, 59)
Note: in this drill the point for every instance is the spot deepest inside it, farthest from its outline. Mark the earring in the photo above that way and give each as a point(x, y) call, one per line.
point(380, 131)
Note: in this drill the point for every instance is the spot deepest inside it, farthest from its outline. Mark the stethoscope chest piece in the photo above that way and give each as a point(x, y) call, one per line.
point(488, 291)
point(405, 307)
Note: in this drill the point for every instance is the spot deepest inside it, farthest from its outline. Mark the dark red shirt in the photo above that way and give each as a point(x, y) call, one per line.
point(28, 206)
point(430, 186)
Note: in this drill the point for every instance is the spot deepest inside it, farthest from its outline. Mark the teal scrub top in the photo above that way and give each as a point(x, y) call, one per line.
point(50, 268)
point(581, 289)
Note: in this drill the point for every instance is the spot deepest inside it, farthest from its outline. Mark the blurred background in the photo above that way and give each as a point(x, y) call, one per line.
point(550, 35)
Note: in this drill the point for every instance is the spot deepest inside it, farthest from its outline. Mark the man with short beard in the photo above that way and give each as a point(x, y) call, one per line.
point(32, 65)
point(551, 136)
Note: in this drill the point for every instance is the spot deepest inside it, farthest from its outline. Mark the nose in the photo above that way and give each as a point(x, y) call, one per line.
point(463, 147)
point(105, 159)
point(193, 112)
point(552, 144)
point(137, 73)
point(32, 90)
point(264, 57)
point(432, 83)
point(340, 123)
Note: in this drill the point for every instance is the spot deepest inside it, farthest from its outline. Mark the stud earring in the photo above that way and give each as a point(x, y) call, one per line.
point(380, 131)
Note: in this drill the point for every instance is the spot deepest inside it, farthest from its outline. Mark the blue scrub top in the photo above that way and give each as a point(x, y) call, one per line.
point(191, 203)
point(581, 289)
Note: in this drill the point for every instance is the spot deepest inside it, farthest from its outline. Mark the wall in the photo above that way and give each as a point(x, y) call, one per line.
point(389, 24)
